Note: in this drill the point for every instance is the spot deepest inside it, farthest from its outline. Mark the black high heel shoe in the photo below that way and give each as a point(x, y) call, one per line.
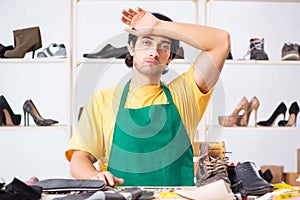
point(29, 108)
point(281, 109)
point(7, 116)
point(294, 110)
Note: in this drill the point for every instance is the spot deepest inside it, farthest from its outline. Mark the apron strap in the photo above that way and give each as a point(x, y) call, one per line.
point(124, 95)
point(167, 92)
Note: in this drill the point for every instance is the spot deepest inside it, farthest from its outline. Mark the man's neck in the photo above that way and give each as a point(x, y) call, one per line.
point(141, 79)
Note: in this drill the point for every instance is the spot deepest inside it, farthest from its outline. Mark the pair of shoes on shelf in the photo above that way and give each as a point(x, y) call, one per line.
point(29, 108)
point(281, 109)
point(241, 119)
point(25, 40)
point(7, 116)
point(257, 51)
point(290, 51)
point(53, 50)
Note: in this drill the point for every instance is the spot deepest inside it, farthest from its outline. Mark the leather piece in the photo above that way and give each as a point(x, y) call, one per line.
point(18, 190)
point(68, 185)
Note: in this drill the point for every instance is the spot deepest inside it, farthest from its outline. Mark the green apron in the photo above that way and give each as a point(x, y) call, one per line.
point(150, 146)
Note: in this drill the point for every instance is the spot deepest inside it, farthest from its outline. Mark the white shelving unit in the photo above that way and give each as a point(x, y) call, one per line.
point(33, 150)
point(272, 81)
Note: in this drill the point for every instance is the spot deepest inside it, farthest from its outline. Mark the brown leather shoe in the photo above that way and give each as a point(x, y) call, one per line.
point(210, 169)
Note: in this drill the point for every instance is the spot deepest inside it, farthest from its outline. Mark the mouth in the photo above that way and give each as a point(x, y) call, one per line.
point(152, 62)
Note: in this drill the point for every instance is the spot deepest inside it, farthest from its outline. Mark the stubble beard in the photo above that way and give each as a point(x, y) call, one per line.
point(149, 70)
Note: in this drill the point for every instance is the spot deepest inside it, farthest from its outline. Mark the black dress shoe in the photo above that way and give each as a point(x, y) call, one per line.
point(108, 51)
point(3, 49)
point(247, 177)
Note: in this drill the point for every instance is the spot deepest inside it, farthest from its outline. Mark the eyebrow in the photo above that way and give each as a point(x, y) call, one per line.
point(151, 38)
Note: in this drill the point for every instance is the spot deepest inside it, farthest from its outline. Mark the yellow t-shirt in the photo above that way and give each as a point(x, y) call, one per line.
point(94, 132)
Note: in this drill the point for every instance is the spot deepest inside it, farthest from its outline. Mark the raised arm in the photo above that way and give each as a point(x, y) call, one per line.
point(214, 43)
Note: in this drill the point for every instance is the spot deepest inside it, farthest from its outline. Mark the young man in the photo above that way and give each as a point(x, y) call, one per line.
point(142, 132)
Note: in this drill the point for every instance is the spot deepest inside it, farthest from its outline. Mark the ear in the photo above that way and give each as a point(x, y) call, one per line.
point(130, 49)
point(169, 60)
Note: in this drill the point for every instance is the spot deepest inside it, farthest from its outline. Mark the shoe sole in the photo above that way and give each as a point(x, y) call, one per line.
point(291, 56)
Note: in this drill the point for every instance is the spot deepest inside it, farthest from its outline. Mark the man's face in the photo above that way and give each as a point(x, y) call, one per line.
point(151, 54)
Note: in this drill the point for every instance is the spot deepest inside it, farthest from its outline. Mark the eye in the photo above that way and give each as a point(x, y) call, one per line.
point(165, 47)
point(147, 43)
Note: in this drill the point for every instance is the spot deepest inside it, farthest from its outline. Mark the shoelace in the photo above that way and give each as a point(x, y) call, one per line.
point(290, 47)
point(257, 44)
point(216, 165)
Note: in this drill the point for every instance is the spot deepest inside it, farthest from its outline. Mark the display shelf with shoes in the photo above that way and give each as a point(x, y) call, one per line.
point(43, 79)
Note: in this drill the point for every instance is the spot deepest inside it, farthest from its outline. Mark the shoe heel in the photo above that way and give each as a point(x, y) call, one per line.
point(33, 48)
point(255, 118)
point(1, 118)
point(25, 118)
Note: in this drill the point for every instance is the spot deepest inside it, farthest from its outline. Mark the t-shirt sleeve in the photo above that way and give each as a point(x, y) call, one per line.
point(88, 135)
point(190, 101)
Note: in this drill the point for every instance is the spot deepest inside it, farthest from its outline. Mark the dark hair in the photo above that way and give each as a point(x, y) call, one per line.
point(133, 38)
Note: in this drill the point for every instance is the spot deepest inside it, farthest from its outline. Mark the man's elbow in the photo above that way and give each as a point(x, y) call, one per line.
point(226, 41)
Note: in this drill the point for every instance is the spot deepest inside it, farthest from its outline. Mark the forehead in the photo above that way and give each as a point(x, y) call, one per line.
point(155, 38)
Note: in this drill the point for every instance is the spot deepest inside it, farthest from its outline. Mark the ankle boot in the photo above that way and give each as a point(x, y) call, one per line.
point(210, 169)
point(245, 179)
point(25, 40)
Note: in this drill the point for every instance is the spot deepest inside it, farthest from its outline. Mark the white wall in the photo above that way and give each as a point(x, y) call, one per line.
point(99, 22)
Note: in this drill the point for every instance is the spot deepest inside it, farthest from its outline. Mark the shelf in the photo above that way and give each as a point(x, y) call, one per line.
point(35, 60)
point(257, 128)
point(263, 1)
point(119, 61)
point(263, 62)
point(33, 128)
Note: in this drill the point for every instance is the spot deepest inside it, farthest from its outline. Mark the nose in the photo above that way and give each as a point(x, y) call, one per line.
point(154, 52)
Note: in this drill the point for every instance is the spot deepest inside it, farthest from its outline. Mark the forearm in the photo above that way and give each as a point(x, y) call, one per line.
point(200, 37)
point(214, 43)
point(81, 167)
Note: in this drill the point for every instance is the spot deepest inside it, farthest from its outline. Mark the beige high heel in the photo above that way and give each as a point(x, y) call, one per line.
point(243, 120)
point(229, 121)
